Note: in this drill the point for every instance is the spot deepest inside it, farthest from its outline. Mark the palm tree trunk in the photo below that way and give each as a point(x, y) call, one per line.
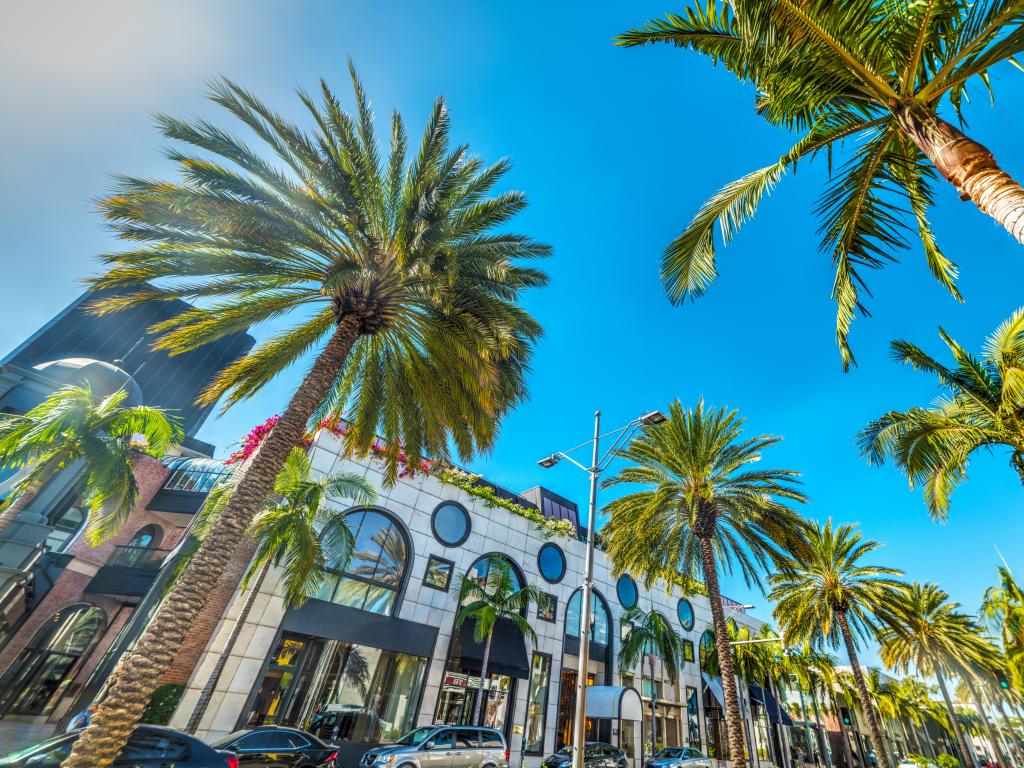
point(997, 747)
point(478, 707)
point(862, 691)
point(826, 753)
point(654, 724)
point(958, 732)
point(733, 721)
point(967, 165)
point(20, 503)
point(847, 753)
point(229, 645)
point(139, 672)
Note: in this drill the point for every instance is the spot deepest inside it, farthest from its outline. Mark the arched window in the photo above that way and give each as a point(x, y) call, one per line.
point(708, 653)
point(147, 537)
point(374, 574)
point(600, 620)
point(478, 571)
point(39, 671)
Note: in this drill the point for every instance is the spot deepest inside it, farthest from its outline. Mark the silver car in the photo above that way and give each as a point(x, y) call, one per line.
point(678, 757)
point(442, 746)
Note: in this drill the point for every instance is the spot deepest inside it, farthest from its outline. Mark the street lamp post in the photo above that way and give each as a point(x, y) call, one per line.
point(598, 463)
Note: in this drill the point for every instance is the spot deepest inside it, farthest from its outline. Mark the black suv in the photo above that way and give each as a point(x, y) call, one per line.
point(272, 746)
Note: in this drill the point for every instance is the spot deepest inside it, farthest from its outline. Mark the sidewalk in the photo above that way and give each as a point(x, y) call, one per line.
point(16, 735)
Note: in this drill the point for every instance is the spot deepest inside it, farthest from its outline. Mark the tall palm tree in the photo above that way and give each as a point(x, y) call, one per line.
point(401, 290)
point(71, 426)
point(828, 594)
point(296, 529)
point(650, 634)
point(981, 409)
point(703, 507)
point(876, 74)
point(486, 601)
point(928, 632)
point(1003, 609)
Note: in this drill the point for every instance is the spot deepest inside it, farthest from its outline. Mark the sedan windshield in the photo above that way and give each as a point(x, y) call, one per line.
point(671, 753)
point(415, 738)
point(49, 747)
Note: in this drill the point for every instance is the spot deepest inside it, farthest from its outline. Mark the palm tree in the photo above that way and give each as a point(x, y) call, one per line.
point(875, 74)
point(1003, 608)
point(652, 634)
point(828, 594)
point(498, 595)
point(296, 529)
point(980, 410)
point(702, 507)
point(70, 427)
point(927, 632)
point(407, 299)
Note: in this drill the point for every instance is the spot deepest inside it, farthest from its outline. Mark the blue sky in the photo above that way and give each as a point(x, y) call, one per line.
point(616, 149)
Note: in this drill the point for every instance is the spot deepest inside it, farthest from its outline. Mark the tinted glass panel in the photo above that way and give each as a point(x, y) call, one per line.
point(466, 738)
point(551, 562)
point(685, 611)
point(443, 739)
point(451, 524)
point(154, 746)
point(491, 740)
point(627, 592)
point(598, 616)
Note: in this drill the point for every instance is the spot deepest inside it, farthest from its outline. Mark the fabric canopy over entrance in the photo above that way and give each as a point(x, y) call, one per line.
point(615, 702)
point(764, 697)
point(714, 684)
point(508, 651)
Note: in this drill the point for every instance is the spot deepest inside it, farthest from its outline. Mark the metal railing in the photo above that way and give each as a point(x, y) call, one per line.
point(137, 557)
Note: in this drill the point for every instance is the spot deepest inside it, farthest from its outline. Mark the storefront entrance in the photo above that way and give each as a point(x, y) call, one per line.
point(459, 692)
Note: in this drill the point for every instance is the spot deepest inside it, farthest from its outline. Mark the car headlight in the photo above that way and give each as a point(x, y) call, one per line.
point(385, 759)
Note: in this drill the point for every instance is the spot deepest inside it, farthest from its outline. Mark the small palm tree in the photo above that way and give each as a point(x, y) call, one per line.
point(980, 410)
point(296, 529)
point(927, 632)
point(827, 595)
point(392, 273)
point(485, 601)
point(702, 507)
point(650, 634)
point(876, 74)
point(71, 426)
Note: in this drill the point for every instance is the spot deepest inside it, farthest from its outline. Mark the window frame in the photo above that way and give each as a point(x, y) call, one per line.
point(549, 546)
point(426, 572)
point(465, 513)
point(544, 709)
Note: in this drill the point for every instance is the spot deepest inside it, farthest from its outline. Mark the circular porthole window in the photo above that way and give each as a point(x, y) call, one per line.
point(626, 589)
point(685, 613)
point(551, 563)
point(450, 524)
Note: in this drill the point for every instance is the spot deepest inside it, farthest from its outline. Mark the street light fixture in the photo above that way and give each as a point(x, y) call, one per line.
point(598, 464)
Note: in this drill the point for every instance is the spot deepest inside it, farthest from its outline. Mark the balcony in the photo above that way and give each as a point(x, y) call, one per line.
point(128, 572)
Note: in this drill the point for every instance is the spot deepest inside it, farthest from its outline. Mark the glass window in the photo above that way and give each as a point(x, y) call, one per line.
point(537, 702)
point(467, 738)
point(444, 739)
point(627, 592)
point(547, 606)
point(551, 563)
point(195, 475)
point(692, 720)
point(439, 573)
point(598, 616)
point(33, 682)
point(339, 691)
point(685, 612)
point(688, 650)
point(479, 571)
point(492, 739)
point(154, 746)
point(450, 523)
point(373, 574)
point(708, 654)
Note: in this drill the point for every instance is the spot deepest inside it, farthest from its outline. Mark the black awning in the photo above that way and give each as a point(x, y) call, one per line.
point(776, 714)
point(508, 650)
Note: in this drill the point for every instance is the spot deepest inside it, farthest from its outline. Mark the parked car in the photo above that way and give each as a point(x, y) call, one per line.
point(149, 746)
point(597, 755)
point(336, 723)
point(678, 757)
point(272, 746)
point(441, 746)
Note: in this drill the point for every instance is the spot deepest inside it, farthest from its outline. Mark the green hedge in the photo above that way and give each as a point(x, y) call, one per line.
point(163, 703)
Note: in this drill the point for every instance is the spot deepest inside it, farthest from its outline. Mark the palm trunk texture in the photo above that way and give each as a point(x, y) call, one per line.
point(954, 724)
point(229, 646)
point(862, 690)
point(478, 707)
point(139, 672)
point(733, 721)
point(19, 504)
point(967, 165)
